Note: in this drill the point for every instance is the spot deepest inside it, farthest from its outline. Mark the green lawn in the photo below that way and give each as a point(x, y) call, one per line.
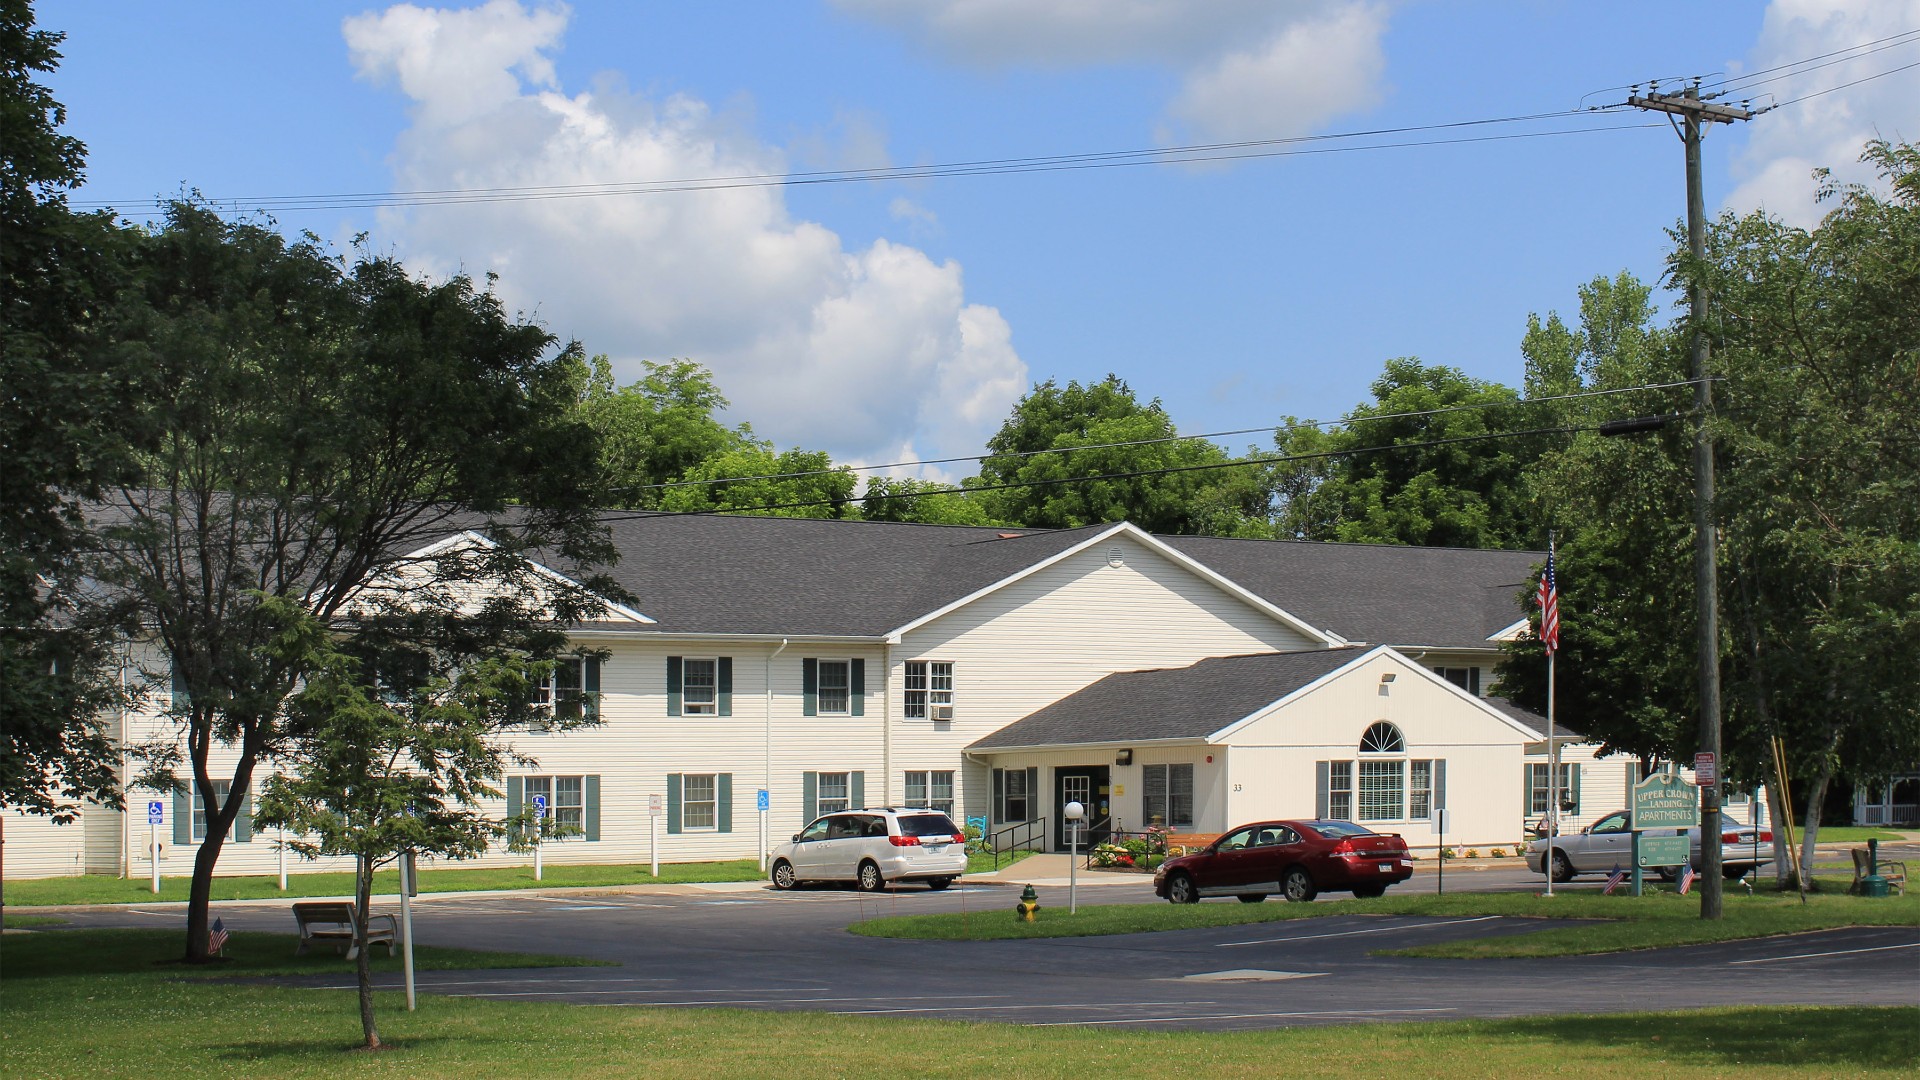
point(100, 889)
point(78, 1004)
point(29, 922)
point(57, 954)
point(1656, 920)
point(983, 864)
point(1848, 834)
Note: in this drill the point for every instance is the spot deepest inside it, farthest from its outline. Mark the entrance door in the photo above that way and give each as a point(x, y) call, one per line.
point(1086, 785)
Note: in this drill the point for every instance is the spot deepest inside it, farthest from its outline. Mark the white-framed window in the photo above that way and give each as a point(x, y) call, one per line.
point(1419, 789)
point(929, 689)
point(561, 693)
point(1539, 793)
point(1466, 678)
point(1383, 738)
point(1166, 795)
point(1016, 802)
point(700, 686)
point(836, 682)
point(699, 801)
point(1383, 790)
point(566, 799)
point(221, 789)
point(1340, 790)
point(835, 792)
point(932, 788)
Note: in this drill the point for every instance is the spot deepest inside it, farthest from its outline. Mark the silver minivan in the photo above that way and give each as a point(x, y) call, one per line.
point(873, 848)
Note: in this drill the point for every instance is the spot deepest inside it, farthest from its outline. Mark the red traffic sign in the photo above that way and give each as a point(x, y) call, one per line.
point(1703, 769)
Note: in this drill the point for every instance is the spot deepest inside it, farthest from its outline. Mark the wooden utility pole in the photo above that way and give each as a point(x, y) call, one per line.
point(1694, 114)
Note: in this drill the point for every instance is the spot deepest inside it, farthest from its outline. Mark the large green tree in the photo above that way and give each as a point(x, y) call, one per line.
point(655, 430)
point(1431, 461)
point(1078, 455)
point(63, 434)
point(323, 425)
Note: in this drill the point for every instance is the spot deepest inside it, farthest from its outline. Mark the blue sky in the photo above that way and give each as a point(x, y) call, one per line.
point(900, 320)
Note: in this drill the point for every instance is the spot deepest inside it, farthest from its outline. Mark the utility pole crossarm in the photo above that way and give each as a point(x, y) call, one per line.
point(1682, 105)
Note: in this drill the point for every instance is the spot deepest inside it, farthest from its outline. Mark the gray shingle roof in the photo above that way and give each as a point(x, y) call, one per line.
point(1171, 703)
point(1533, 720)
point(1378, 593)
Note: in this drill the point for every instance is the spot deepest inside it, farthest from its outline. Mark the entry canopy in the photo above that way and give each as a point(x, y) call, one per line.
point(1664, 801)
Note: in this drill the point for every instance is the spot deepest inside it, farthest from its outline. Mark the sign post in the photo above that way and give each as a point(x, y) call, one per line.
point(156, 816)
point(653, 831)
point(409, 888)
point(1662, 801)
point(540, 813)
point(1440, 856)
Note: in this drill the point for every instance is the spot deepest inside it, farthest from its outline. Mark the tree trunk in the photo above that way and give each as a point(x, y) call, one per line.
point(363, 898)
point(1782, 850)
point(1815, 796)
point(200, 893)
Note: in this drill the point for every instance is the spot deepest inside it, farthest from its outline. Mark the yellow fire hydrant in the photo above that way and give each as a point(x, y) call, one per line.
point(1029, 903)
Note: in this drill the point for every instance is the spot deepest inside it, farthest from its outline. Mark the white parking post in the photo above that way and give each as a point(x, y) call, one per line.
point(409, 887)
point(653, 832)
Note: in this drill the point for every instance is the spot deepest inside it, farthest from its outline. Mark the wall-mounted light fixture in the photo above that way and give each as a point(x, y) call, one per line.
point(1386, 681)
point(1123, 757)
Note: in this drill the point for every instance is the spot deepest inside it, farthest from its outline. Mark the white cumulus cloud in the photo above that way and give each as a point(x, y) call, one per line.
point(860, 352)
point(1249, 68)
point(1775, 170)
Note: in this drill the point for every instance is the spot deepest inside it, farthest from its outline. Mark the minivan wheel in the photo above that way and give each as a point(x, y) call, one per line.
point(870, 879)
point(783, 878)
point(1298, 885)
point(1182, 890)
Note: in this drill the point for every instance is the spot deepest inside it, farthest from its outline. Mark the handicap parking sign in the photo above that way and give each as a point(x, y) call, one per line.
point(764, 801)
point(539, 806)
point(156, 812)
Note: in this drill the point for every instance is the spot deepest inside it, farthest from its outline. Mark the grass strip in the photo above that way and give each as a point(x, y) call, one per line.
point(146, 1021)
point(102, 889)
point(31, 922)
point(1656, 920)
point(144, 953)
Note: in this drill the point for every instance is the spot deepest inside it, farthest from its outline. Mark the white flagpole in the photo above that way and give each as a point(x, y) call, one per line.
point(1553, 747)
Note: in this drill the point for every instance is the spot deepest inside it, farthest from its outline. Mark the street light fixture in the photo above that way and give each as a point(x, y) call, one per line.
point(1075, 814)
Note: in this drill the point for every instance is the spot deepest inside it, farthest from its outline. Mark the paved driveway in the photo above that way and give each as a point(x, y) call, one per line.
point(747, 946)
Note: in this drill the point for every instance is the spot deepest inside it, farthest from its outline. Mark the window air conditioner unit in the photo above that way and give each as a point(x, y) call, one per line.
point(943, 712)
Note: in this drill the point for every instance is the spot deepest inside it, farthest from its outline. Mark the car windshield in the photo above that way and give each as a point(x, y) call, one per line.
point(1335, 830)
point(927, 825)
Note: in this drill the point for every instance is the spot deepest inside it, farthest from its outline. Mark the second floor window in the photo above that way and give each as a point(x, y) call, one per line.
point(701, 687)
point(834, 685)
point(929, 686)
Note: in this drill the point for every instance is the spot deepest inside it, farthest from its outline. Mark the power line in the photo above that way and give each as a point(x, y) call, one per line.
point(1844, 85)
point(1905, 37)
point(1274, 428)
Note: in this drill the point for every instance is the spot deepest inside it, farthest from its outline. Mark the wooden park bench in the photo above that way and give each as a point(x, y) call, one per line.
point(332, 920)
point(1895, 872)
point(1185, 843)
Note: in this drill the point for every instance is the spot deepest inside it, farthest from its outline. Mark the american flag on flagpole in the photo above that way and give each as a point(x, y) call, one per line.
point(217, 937)
point(1686, 879)
point(1614, 879)
point(1549, 607)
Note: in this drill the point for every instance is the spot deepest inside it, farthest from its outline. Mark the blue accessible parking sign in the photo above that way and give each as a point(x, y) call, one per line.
point(539, 806)
point(156, 812)
point(764, 802)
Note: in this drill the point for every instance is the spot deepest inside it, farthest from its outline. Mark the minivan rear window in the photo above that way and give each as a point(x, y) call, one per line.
point(927, 825)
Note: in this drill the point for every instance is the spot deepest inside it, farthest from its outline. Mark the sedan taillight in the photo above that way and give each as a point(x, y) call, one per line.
point(1766, 836)
point(904, 841)
point(1729, 837)
point(1344, 847)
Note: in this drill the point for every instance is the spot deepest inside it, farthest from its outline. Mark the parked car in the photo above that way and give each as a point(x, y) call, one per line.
point(1608, 843)
point(1296, 859)
point(873, 849)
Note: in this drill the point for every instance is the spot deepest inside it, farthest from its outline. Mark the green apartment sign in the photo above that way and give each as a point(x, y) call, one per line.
point(1664, 801)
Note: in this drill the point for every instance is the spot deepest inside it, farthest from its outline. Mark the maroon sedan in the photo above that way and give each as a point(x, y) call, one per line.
point(1297, 859)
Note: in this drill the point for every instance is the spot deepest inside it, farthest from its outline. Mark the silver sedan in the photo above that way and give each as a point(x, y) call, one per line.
point(1608, 843)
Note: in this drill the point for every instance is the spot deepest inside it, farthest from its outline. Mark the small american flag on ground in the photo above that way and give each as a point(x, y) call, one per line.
point(217, 937)
point(1614, 879)
point(1686, 879)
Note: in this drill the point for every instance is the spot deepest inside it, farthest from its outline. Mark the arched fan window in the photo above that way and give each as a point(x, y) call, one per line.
point(1383, 738)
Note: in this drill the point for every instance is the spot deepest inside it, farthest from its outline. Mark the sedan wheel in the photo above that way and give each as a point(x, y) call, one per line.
point(1298, 885)
point(1562, 869)
point(1182, 890)
point(783, 878)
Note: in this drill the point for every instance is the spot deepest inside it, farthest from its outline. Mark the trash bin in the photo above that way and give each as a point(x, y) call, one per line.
point(1873, 885)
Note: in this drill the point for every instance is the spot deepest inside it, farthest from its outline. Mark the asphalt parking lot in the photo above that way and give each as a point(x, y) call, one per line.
point(743, 945)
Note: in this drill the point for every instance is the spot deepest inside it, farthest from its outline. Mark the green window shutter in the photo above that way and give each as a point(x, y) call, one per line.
point(723, 796)
point(857, 789)
point(810, 796)
point(674, 668)
point(516, 798)
point(1526, 791)
point(1439, 787)
point(673, 802)
point(723, 677)
point(810, 692)
point(243, 823)
point(590, 687)
point(857, 688)
point(1034, 802)
point(1573, 783)
point(182, 815)
point(999, 794)
point(590, 809)
point(1322, 784)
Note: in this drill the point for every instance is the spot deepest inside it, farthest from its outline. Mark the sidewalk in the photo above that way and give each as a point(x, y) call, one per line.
point(1055, 869)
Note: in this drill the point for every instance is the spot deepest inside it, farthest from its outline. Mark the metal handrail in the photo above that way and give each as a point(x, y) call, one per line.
point(1005, 840)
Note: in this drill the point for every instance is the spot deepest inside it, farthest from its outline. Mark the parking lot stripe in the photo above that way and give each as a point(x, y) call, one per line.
point(1351, 933)
point(1024, 1007)
point(1836, 952)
